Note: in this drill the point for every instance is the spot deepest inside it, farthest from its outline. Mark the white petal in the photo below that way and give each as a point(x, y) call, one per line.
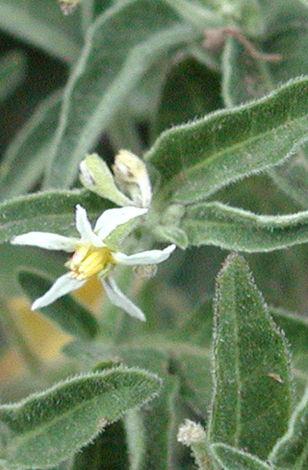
point(117, 298)
point(112, 218)
point(62, 286)
point(146, 257)
point(49, 241)
point(84, 228)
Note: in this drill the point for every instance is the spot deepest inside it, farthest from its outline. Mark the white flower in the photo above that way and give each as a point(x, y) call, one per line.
point(92, 256)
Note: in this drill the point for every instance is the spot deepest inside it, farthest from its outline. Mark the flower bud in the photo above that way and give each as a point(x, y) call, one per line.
point(68, 6)
point(132, 178)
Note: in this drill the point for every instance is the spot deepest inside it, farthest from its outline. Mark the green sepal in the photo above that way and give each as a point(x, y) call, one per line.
point(49, 426)
point(252, 384)
point(210, 153)
point(171, 234)
point(97, 177)
point(230, 458)
point(66, 312)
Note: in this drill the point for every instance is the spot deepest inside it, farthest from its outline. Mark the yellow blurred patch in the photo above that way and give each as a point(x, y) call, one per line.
point(11, 366)
point(42, 336)
point(91, 293)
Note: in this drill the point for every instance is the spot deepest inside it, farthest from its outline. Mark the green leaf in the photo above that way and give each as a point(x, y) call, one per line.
point(50, 211)
point(143, 101)
point(292, 176)
point(196, 14)
point(225, 146)
point(193, 368)
point(291, 451)
point(296, 331)
point(281, 284)
point(252, 397)
point(108, 451)
point(43, 25)
point(251, 18)
point(286, 36)
point(25, 158)
point(237, 229)
point(66, 312)
point(113, 67)
point(233, 459)
point(47, 427)
point(12, 73)
point(190, 92)
point(90, 10)
point(199, 327)
point(244, 77)
point(150, 431)
point(191, 358)
point(243, 14)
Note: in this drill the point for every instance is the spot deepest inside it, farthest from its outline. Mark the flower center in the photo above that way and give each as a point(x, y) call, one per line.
point(88, 261)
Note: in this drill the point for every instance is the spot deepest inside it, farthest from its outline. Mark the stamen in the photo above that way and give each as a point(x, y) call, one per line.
point(88, 261)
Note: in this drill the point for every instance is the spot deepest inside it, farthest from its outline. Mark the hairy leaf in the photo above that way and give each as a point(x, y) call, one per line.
point(113, 64)
point(151, 430)
point(108, 451)
point(51, 211)
point(292, 176)
point(197, 159)
point(252, 397)
point(233, 459)
point(291, 451)
point(245, 78)
point(236, 229)
point(48, 426)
